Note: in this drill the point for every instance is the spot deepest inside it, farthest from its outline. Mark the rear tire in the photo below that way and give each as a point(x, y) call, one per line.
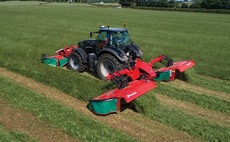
point(107, 64)
point(75, 62)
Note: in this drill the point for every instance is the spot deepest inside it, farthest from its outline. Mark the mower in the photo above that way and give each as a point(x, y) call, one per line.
point(115, 57)
point(133, 82)
point(112, 50)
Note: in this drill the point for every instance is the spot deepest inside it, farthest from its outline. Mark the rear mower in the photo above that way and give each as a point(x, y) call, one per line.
point(111, 50)
point(133, 82)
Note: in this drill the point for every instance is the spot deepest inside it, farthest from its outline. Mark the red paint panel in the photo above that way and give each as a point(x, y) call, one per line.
point(180, 66)
point(134, 90)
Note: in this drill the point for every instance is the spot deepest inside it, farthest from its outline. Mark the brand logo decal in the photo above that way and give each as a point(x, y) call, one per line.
point(130, 95)
point(188, 64)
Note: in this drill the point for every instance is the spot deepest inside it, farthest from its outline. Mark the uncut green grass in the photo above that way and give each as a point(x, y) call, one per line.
point(28, 31)
point(180, 35)
point(202, 100)
point(59, 116)
point(12, 136)
point(198, 127)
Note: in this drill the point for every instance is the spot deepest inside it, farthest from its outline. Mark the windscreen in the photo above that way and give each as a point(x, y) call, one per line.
point(120, 38)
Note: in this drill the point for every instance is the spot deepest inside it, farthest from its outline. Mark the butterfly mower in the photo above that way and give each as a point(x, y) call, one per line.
point(114, 57)
point(133, 82)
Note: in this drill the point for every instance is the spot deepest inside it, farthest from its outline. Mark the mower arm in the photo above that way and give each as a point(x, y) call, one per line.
point(163, 59)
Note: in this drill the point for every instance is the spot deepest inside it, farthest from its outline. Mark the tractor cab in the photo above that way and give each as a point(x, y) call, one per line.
point(116, 37)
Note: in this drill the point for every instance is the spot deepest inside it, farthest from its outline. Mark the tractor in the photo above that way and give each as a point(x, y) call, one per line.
point(111, 50)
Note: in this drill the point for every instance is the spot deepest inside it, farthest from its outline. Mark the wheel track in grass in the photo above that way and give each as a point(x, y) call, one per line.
point(197, 89)
point(134, 124)
point(14, 119)
point(216, 117)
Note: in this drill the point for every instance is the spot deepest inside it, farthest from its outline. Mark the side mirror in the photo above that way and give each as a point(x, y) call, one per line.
point(91, 34)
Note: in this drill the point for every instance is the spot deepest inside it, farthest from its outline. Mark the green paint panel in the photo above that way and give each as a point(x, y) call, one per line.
point(63, 62)
point(163, 76)
point(50, 61)
point(103, 107)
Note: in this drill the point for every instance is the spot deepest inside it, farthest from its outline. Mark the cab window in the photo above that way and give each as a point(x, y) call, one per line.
point(101, 37)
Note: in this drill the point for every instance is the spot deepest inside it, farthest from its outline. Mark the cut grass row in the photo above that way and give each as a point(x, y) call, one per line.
point(136, 125)
point(190, 123)
point(193, 109)
point(198, 89)
point(206, 81)
point(196, 126)
point(202, 100)
point(74, 123)
point(12, 136)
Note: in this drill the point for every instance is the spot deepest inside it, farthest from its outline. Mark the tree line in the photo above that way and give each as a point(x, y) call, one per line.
point(209, 4)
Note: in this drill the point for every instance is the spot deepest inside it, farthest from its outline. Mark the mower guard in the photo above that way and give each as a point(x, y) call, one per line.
point(169, 73)
point(57, 60)
point(103, 107)
point(60, 58)
point(134, 90)
point(181, 66)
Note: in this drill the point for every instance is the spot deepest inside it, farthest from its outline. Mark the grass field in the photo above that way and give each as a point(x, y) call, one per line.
point(28, 29)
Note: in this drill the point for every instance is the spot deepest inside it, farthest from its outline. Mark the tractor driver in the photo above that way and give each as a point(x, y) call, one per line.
point(116, 38)
point(102, 39)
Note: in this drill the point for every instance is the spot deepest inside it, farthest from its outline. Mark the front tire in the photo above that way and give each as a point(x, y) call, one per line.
point(75, 62)
point(107, 64)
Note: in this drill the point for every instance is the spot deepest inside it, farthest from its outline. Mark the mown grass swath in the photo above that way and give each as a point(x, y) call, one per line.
point(12, 136)
point(74, 123)
point(206, 81)
point(202, 100)
point(178, 119)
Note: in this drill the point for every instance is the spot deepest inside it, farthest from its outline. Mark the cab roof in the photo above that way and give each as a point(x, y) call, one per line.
point(103, 28)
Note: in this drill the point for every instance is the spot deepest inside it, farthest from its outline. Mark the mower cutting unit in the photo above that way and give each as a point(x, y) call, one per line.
point(60, 58)
point(135, 81)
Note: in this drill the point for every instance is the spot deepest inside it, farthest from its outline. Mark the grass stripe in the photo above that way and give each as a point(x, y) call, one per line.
point(74, 123)
point(202, 100)
point(137, 125)
point(13, 136)
point(198, 89)
point(207, 82)
point(210, 115)
point(149, 106)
